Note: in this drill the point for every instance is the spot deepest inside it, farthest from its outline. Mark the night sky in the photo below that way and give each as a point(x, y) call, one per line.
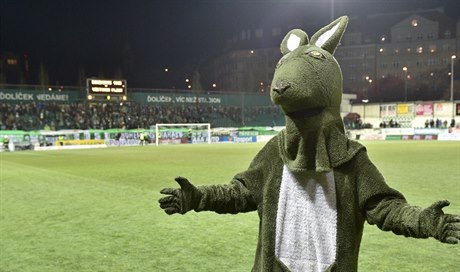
point(180, 35)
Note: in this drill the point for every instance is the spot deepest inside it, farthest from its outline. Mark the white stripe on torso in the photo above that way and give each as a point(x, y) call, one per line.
point(306, 223)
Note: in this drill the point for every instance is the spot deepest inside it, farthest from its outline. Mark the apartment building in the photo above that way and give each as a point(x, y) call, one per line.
point(373, 47)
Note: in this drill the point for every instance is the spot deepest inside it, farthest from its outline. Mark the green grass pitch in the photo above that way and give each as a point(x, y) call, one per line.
point(97, 210)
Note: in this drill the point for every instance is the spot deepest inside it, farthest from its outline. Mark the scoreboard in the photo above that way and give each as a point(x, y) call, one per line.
point(106, 89)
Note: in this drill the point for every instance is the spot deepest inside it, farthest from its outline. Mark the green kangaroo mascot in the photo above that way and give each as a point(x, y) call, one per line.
point(312, 187)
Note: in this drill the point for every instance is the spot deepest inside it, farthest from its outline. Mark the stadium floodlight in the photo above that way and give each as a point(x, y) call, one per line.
point(183, 133)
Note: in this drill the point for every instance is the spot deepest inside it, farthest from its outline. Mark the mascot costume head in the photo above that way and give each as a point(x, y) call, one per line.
point(307, 85)
point(307, 78)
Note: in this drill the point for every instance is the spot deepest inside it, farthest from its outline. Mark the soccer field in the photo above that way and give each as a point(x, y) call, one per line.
point(97, 210)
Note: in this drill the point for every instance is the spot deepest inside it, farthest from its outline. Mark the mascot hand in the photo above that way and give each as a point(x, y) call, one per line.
point(180, 200)
point(444, 227)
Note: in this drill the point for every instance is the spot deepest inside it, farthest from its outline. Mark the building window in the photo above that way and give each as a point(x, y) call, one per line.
point(414, 22)
point(259, 33)
point(12, 61)
point(395, 64)
point(429, 36)
point(431, 61)
point(447, 34)
point(408, 37)
point(243, 35)
point(445, 60)
point(446, 47)
point(420, 36)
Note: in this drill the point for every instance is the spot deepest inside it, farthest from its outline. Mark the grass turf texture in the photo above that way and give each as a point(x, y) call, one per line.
point(97, 210)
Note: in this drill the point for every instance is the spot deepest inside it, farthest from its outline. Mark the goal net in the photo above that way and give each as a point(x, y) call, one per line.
point(183, 133)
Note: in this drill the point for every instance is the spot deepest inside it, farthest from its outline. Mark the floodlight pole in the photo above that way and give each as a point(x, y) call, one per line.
point(452, 78)
point(452, 84)
point(365, 101)
point(405, 83)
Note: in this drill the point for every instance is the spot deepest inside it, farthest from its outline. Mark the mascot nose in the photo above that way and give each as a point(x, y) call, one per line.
point(281, 87)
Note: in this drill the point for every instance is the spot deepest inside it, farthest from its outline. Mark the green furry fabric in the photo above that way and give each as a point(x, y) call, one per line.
point(315, 143)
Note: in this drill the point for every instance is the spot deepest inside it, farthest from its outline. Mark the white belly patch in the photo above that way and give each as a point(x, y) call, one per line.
point(306, 222)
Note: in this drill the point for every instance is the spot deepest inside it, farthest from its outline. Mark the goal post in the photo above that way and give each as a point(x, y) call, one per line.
point(175, 133)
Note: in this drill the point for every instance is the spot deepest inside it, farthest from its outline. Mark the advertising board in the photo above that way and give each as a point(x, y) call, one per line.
point(424, 109)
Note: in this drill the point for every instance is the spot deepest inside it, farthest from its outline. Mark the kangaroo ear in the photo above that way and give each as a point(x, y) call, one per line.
point(292, 40)
point(329, 36)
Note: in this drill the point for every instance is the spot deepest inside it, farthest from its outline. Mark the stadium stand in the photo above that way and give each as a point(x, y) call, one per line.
point(130, 115)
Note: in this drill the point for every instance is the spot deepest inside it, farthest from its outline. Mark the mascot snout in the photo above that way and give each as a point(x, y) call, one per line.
point(281, 86)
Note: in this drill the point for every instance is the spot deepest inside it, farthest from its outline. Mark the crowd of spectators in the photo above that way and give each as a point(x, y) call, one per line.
point(390, 124)
point(132, 115)
point(439, 124)
point(85, 115)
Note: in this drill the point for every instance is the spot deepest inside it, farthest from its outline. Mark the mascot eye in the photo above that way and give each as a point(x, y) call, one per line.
point(316, 54)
